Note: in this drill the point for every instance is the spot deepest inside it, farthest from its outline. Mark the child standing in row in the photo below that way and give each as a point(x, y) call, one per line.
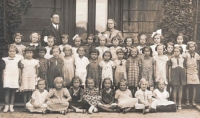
point(107, 66)
point(81, 63)
point(160, 65)
point(77, 43)
point(148, 66)
point(69, 66)
point(55, 65)
point(142, 42)
point(178, 74)
point(102, 48)
point(42, 69)
point(65, 39)
point(50, 43)
point(89, 46)
point(169, 50)
point(179, 41)
point(192, 67)
point(120, 71)
point(133, 68)
point(29, 73)
point(18, 38)
point(156, 38)
point(35, 37)
point(115, 41)
point(94, 70)
point(128, 45)
point(11, 77)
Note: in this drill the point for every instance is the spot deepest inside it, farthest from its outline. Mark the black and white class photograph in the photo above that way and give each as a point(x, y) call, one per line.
point(99, 58)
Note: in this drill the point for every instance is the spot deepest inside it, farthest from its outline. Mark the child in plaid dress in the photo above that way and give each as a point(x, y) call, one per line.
point(133, 68)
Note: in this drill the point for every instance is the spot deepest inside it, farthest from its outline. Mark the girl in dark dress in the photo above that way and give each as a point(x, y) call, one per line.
point(178, 74)
point(76, 92)
point(55, 65)
point(107, 96)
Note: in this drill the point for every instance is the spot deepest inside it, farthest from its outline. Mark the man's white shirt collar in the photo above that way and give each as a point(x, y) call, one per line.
point(54, 25)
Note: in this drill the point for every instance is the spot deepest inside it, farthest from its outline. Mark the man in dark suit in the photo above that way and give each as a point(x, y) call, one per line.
point(53, 29)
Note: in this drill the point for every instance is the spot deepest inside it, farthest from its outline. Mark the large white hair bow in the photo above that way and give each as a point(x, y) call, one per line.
point(157, 32)
point(75, 36)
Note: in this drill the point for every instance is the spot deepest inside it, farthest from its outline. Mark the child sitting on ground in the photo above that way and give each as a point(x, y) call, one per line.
point(76, 92)
point(58, 97)
point(123, 97)
point(144, 97)
point(161, 103)
point(38, 102)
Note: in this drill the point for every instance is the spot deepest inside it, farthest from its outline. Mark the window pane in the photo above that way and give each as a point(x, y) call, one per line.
point(81, 17)
point(101, 15)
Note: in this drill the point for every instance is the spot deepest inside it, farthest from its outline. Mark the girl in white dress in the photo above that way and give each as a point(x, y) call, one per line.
point(161, 99)
point(65, 39)
point(192, 71)
point(144, 96)
point(18, 38)
point(124, 98)
point(37, 102)
point(81, 63)
point(77, 42)
point(156, 38)
point(11, 77)
point(160, 66)
point(68, 68)
point(29, 73)
point(50, 43)
point(179, 41)
point(107, 66)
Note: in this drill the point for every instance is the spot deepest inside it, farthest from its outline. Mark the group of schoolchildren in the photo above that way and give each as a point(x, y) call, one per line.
point(92, 79)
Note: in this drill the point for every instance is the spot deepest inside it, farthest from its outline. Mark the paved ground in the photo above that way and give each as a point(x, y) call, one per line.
point(185, 113)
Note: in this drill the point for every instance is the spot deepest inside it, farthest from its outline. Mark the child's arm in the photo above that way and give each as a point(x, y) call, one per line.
point(140, 68)
point(169, 71)
point(150, 102)
point(67, 94)
point(81, 95)
point(36, 68)
point(113, 69)
point(100, 75)
point(3, 75)
point(49, 95)
point(155, 71)
point(20, 77)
